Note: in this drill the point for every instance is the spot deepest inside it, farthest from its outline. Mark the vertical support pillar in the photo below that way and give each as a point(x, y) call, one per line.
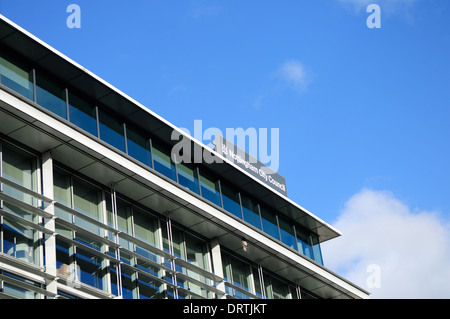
point(50, 240)
point(217, 266)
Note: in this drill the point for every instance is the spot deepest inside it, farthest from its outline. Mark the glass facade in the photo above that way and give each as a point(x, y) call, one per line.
point(278, 289)
point(15, 286)
point(110, 244)
point(238, 273)
point(250, 210)
point(138, 146)
point(111, 130)
point(287, 232)
point(82, 114)
point(210, 188)
point(231, 200)
point(51, 96)
point(16, 76)
point(106, 243)
point(156, 155)
point(19, 239)
point(245, 280)
point(162, 161)
point(187, 177)
point(270, 223)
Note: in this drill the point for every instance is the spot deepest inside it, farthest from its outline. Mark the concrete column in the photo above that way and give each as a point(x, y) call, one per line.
point(50, 240)
point(217, 266)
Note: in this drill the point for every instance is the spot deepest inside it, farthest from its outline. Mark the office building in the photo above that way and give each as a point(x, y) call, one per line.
point(92, 204)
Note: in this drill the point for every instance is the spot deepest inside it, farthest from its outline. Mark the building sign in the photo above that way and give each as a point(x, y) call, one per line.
point(251, 165)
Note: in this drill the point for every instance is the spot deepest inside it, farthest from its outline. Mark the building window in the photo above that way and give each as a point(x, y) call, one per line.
point(198, 255)
point(178, 243)
point(19, 287)
point(316, 249)
point(257, 282)
point(149, 287)
point(111, 130)
point(124, 223)
point(304, 243)
point(17, 239)
point(87, 200)
point(83, 114)
point(275, 288)
point(187, 177)
point(146, 228)
point(19, 167)
point(138, 146)
point(16, 77)
point(139, 272)
point(242, 275)
point(91, 268)
point(287, 233)
point(51, 96)
point(195, 251)
point(250, 211)
point(269, 223)
point(128, 281)
point(231, 201)
point(162, 161)
point(279, 289)
point(62, 192)
point(78, 264)
point(210, 188)
point(20, 241)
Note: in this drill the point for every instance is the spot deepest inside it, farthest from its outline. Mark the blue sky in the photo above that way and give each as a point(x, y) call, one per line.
point(357, 108)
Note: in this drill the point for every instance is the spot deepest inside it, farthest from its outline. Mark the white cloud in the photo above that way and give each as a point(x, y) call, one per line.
point(294, 73)
point(411, 249)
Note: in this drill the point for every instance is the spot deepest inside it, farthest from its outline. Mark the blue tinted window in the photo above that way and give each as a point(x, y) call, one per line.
point(226, 267)
point(231, 200)
point(138, 146)
point(111, 131)
point(51, 96)
point(210, 188)
point(128, 291)
point(303, 241)
point(17, 241)
point(90, 269)
point(241, 274)
point(287, 233)
point(187, 177)
point(149, 288)
point(114, 286)
point(251, 211)
point(316, 248)
point(162, 161)
point(16, 77)
point(269, 223)
point(82, 114)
